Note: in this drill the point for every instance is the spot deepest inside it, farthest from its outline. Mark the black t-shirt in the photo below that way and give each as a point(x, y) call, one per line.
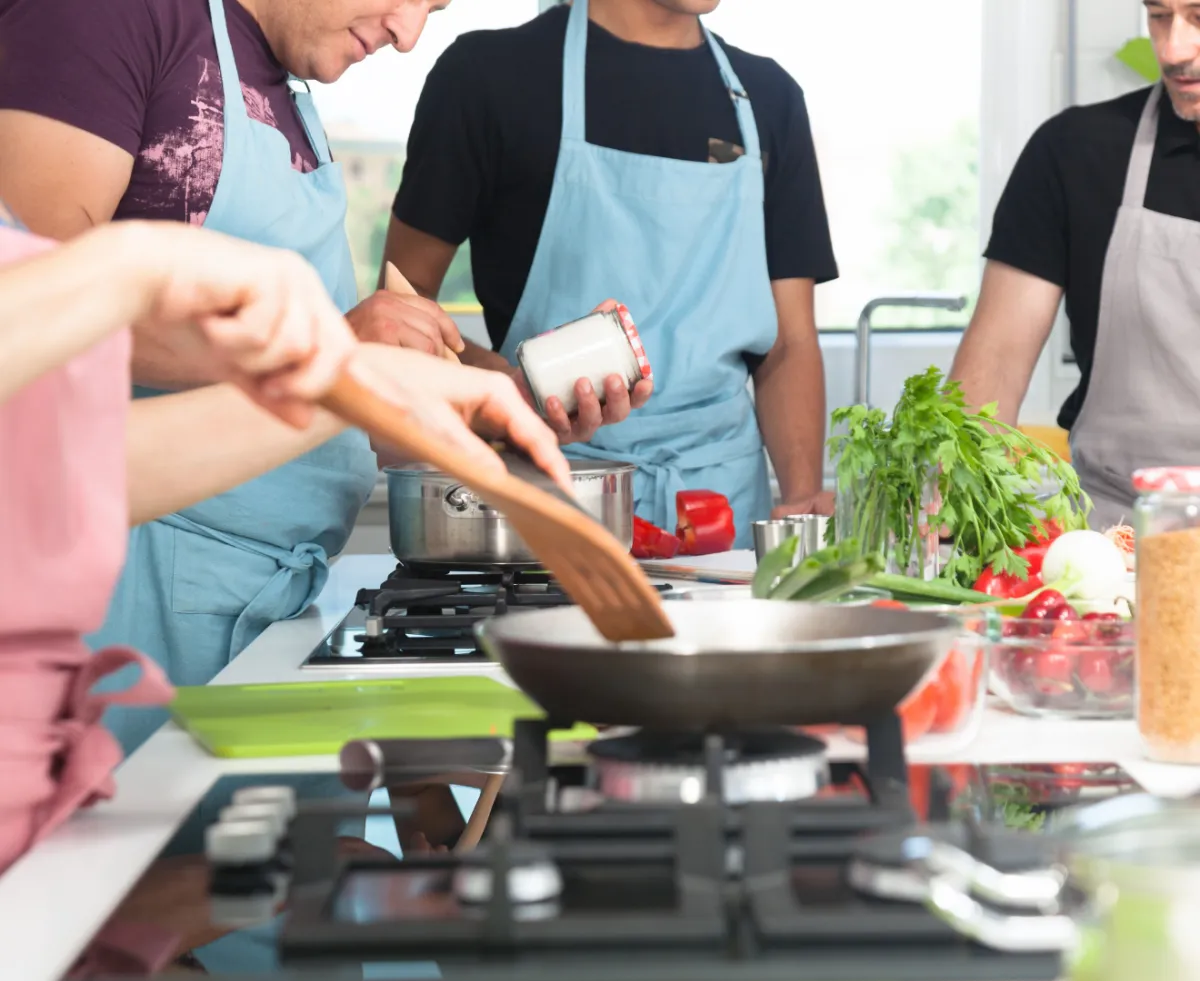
point(1058, 212)
point(485, 137)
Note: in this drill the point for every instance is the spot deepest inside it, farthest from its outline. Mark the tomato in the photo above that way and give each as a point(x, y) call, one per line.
point(1054, 671)
point(1096, 673)
point(889, 604)
point(1022, 669)
point(954, 693)
point(918, 711)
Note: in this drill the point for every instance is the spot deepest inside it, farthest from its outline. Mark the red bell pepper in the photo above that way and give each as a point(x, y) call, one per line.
point(1035, 555)
point(651, 542)
point(1044, 532)
point(705, 522)
point(1005, 585)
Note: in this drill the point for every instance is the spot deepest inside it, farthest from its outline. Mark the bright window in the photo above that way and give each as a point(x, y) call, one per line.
point(893, 91)
point(367, 114)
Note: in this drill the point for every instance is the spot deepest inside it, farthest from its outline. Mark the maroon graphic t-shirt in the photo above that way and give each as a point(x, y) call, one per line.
point(143, 75)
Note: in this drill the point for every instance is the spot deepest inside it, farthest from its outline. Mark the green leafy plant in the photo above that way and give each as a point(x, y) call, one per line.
point(934, 465)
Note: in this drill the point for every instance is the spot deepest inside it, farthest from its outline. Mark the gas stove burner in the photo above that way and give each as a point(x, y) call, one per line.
point(661, 768)
point(1003, 867)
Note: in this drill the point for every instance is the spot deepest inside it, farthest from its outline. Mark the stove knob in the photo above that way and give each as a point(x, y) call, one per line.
point(274, 815)
point(240, 842)
point(528, 882)
point(282, 797)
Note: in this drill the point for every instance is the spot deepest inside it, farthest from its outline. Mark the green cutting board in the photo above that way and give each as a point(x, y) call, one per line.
point(318, 718)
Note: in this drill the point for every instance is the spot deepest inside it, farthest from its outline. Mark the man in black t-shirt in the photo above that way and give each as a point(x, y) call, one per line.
point(1103, 209)
point(482, 157)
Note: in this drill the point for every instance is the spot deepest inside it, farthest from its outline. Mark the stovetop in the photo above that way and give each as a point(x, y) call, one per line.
point(427, 614)
point(643, 891)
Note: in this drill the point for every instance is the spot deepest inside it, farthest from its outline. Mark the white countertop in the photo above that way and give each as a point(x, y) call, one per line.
point(59, 895)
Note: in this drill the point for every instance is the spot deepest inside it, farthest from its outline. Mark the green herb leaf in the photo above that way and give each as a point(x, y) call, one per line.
point(984, 472)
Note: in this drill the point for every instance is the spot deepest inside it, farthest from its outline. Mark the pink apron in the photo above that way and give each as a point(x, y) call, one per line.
point(63, 529)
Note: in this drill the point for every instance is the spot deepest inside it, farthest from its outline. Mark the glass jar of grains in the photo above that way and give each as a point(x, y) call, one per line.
point(1167, 611)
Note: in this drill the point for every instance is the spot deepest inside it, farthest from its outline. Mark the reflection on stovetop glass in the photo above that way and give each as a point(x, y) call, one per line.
point(427, 614)
point(612, 878)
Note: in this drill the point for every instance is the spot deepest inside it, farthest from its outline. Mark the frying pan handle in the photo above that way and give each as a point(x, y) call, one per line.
point(368, 764)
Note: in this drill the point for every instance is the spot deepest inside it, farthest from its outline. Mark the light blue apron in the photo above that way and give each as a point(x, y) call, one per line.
point(200, 585)
point(683, 245)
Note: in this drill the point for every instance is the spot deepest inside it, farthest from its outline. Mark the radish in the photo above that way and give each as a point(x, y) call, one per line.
point(1088, 567)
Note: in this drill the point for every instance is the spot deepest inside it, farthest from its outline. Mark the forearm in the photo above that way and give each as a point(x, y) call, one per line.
point(155, 364)
point(187, 447)
point(58, 304)
point(986, 375)
point(1000, 349)
point(789, 391)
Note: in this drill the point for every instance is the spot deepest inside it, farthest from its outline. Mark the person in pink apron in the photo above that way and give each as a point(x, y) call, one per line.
point(66, 476)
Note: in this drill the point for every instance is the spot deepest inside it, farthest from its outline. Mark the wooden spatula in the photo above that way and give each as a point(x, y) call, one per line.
point(395, 282)
point(589, 563)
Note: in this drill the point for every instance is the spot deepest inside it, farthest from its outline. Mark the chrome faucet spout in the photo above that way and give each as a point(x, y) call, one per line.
point(862, 374)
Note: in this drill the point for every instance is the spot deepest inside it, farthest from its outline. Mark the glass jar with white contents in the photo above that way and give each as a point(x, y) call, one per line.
point(595, 347)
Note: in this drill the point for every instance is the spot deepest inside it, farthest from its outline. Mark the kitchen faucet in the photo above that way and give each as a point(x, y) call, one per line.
point(862, 377)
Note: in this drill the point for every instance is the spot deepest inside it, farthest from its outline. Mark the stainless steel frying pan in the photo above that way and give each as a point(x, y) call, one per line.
point(731, 664)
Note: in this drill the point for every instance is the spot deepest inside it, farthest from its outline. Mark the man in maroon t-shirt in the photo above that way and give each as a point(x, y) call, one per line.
point(114, 110)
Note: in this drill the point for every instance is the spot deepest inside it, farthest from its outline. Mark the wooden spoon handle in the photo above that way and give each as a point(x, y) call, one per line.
point(394, 281)
point(473, 832)
point(358, 405)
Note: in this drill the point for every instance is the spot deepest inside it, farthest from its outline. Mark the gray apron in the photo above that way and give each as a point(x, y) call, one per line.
point(1142, 407)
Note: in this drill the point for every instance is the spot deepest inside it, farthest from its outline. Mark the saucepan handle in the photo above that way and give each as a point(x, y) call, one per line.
point(368, 764)
point(950, 898)
point(961, 890)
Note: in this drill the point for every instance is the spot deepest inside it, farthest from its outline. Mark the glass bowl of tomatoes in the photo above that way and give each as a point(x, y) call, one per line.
point(1053, 662)
point(944, 713)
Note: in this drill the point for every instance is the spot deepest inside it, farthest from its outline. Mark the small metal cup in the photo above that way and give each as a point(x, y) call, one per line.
point(809, 528)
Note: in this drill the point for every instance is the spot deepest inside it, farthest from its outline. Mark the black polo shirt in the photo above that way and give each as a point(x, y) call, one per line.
point(485, 137)
point(1058, 212)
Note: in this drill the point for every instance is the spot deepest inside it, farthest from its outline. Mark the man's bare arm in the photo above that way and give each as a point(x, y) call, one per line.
point(789, 389)
point(424, 260)
point(61, 181)
point(1000, 348)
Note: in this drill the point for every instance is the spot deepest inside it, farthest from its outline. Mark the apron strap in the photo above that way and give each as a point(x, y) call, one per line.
point(313, 128)
point(231, 83)
point(741, 101)
point(574, 94)
point(1137, 178)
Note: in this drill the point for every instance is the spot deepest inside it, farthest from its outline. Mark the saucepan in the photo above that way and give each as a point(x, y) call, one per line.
point(731, 664)
point(434, 520)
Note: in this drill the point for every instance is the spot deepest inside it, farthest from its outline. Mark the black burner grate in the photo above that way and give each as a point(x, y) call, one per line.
point(428, 613)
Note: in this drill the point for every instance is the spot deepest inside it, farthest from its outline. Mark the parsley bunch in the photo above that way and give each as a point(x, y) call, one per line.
point(985, 473)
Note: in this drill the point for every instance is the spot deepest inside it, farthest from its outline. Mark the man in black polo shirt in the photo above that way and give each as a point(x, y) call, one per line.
point(719, 281)
point(1103, 208)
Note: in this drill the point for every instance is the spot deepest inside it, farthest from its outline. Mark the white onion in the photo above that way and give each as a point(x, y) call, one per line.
point(1088, 566)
